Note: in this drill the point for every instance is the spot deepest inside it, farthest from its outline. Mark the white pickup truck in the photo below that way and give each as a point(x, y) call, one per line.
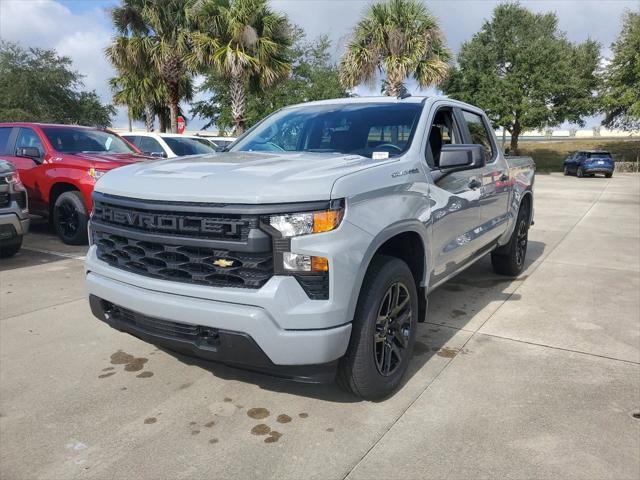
point(311, 246)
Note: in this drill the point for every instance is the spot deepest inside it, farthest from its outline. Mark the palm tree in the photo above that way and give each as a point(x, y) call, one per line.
point(243, 41)
point(399, 38)
point(153, 39)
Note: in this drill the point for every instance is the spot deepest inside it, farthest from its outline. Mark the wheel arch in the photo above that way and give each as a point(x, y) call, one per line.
point(407, 241)
point(58, 189)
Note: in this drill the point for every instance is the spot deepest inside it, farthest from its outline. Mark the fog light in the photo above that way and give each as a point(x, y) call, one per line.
point(304, 263)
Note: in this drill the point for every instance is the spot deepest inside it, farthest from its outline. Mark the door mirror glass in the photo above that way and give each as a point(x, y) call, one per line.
point(462, 157)
point(29, 152)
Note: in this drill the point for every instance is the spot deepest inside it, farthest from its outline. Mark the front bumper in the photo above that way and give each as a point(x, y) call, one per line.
point(250, 337)
point(13, 226)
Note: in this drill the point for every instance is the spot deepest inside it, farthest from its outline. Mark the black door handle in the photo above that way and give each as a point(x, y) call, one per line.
point(473, 184)
point(504, 177)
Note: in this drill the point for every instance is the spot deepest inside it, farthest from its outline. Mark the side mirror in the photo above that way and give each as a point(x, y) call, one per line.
point(461, 157)
point(29, 152)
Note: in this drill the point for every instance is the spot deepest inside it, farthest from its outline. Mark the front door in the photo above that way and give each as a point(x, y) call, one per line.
point(455, 202)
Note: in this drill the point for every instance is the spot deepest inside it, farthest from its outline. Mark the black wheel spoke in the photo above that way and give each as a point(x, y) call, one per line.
point(392, 328)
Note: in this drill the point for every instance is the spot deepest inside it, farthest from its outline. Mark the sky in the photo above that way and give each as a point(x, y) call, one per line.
point(81, 29)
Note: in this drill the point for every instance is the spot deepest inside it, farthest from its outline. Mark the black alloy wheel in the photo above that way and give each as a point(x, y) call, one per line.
point(393, 329)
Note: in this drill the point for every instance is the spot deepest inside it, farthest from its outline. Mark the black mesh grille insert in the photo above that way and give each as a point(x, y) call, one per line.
point(315, 285)
point(199, 265)
point(4, 199)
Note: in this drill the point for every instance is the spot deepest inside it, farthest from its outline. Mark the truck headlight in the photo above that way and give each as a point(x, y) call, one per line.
point(295, 224)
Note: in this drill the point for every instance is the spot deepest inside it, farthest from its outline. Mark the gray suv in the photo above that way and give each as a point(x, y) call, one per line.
point(311, 246)
point(14, 218)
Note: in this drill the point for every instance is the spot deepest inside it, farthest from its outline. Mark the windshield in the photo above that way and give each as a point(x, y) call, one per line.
point(188, 146)
point(599, 155)
point(84, 140)
point(360, 129)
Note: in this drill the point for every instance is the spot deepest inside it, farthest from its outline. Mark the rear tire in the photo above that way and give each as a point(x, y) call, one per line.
point(566, 171)
point(70, 218)
point(609, 174)
point(383, 331)
point(509, 259)
point(9, 249)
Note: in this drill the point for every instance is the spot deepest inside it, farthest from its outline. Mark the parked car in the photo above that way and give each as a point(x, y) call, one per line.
point(169, 145)
point(59, 165)
point(14, 218)
point(589, 163)
point(219, 143)
point(310, 246)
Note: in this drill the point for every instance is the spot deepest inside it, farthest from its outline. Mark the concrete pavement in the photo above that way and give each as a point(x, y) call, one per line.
point(533, 378)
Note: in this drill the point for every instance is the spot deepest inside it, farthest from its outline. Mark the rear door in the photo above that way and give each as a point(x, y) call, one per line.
point(496, 183)
point(455, 200)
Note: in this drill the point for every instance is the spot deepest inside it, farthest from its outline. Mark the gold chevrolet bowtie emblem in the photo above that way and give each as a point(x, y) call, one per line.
point(222, 262)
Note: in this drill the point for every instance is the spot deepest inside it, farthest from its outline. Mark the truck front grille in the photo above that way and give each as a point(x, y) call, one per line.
point(199, 265)
point(156, 220)
point(5, 199)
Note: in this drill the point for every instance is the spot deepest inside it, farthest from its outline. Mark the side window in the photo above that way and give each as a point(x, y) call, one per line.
point(480, 135)
point(29, 138)
point(5, 133)
point(150, 145)
point(443, 131)
point(132, 139)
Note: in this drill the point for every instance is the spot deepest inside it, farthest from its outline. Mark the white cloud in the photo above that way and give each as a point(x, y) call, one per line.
point(80, 36)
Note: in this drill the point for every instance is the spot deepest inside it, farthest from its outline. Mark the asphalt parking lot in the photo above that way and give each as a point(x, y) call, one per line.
point(533, 378)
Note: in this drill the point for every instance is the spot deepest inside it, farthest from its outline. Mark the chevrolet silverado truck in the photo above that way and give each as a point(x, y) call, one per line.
point(309, 248)
point(14, 216)
point(58, 165)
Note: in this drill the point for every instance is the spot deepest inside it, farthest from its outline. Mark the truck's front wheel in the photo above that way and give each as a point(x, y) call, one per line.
point(70, 218)
point(383, 331)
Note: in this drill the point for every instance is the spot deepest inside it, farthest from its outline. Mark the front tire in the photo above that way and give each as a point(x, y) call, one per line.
point(383, 331)
point(70, 218)
point(580, 172)
point(9, 249)
point(608, 174)
point(509, 260)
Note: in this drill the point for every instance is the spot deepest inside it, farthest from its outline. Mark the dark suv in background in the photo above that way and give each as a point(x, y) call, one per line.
point(589, 163)
point(14, 218)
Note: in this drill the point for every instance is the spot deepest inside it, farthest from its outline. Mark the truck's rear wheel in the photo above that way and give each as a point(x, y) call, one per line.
point(509, 260)
point(383, 331)
point(70, 218)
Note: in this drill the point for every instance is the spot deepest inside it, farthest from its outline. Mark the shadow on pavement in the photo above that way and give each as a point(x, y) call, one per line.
point(453, 306)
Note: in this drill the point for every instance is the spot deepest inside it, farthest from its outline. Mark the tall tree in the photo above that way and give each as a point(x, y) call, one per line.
point(621, 77)
point(524, 72)
point(39, 85)
point(313, 77)
point(156, 34)
point(398, 39)
point(244, 42)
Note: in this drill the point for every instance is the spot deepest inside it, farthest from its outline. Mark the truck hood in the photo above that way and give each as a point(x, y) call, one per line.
point(106, 161)
point(235, 177)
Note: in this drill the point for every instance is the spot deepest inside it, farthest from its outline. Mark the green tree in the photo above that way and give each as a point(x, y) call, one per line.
point(621, 77)
point(154, 40)
point(400, 39)
point(244, 42)
point(524, 72)
point(313, 77)
point(38, 85)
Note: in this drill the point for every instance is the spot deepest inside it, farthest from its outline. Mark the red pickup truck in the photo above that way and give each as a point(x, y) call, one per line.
point(59, 165)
